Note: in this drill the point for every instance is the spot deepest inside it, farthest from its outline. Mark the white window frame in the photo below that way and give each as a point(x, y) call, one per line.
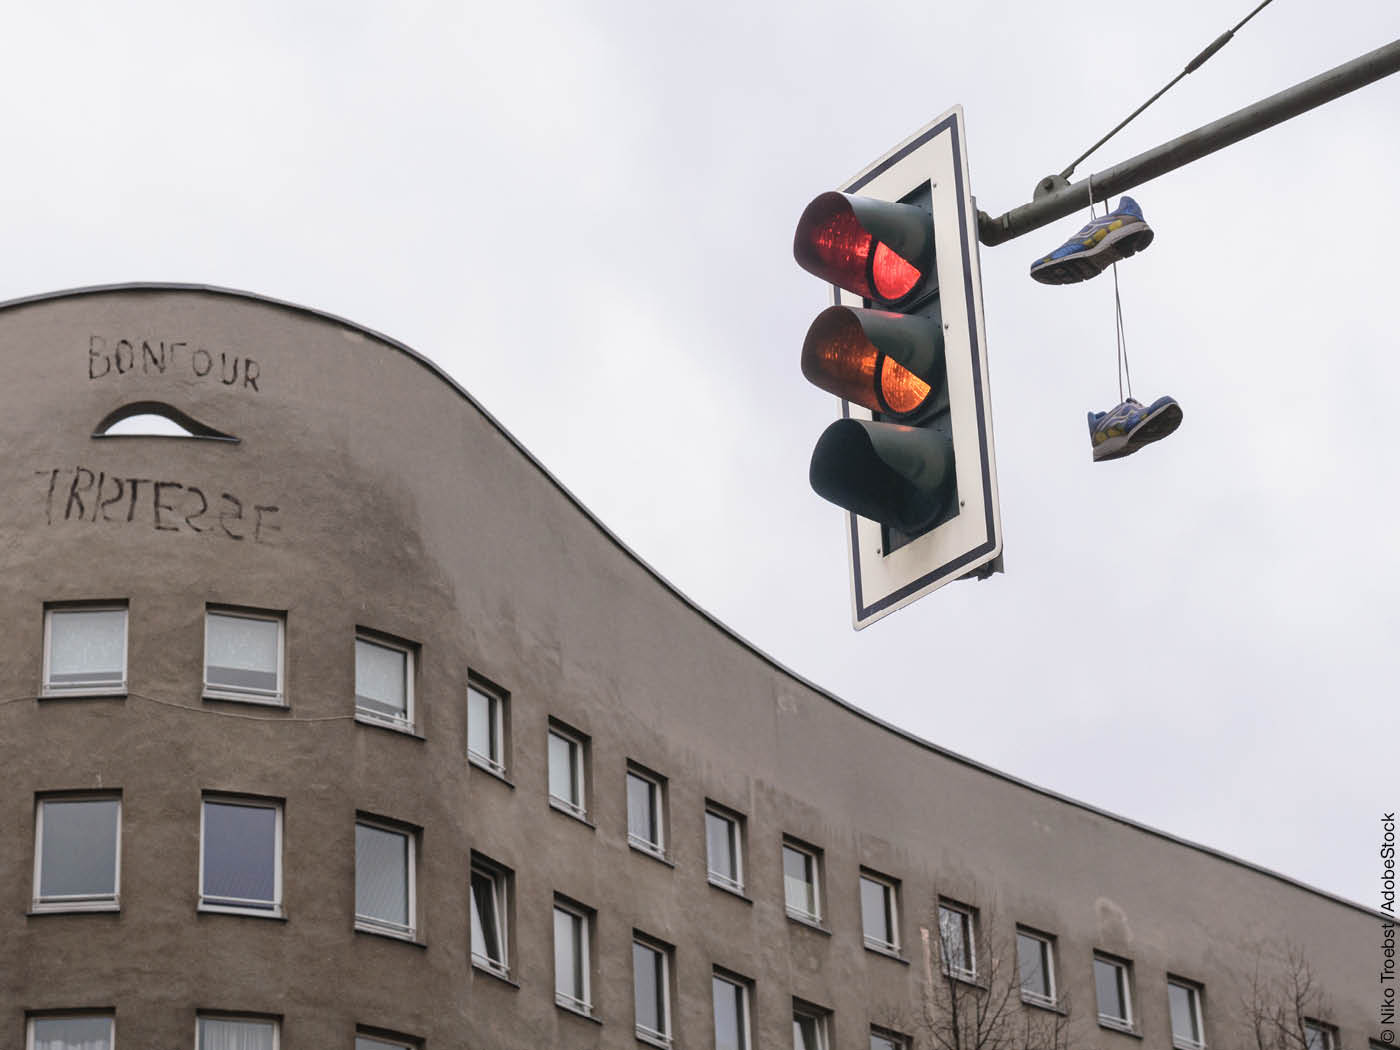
point(656, 796)
point(1193, 992)
point(500, 893)
point(384, 1041)
point(273, 912)
point(900, 1042)
point(48, 689)
point(1124, 969)
point(496, 701)
point(967, 917)
point(579, 751)
point(370, 924)
point(83, 902)
point(663, 953)
point(1327, 1032)
point(736, 840)
point(585, 954)
point(814, 868)
point(251, 1018)
point(891, 893)
point(277, 698)
point(822, 1027)
point(407, 723)
point(110, 1018)
point(1047, 962)
point(745, 1020)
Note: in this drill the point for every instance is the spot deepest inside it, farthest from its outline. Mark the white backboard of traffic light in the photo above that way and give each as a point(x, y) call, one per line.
point(888, 571)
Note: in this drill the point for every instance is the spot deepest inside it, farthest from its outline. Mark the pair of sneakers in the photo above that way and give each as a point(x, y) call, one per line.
point(1103, 242)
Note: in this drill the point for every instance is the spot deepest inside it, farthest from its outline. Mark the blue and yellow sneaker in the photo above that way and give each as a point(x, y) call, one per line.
point(1131, 425)
point(1096, 247)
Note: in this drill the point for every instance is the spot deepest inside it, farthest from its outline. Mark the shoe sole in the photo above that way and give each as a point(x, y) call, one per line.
point(1154, 428)
point(1118, 244)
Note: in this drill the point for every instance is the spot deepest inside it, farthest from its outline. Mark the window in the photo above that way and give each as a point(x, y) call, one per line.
point(878, 912)
point(880, 1039)
point(1184, 1002)
point(1114, 990)
point(490, 896)
point(486, 727)
point(731, 996)
point(77, 854)
point(808, 1027)
point(384, 683)
point(236, 1033)
point(957, 930)
point(85, 651)
point(566, 767)
point(724, 848)
point(240, 862)
point(572, 959)
point(78, 1032)
point(800, 888)
point(243, 657)
point(1036, 960)
point(372, 1042)
point(384, 890)
point(1319, 1036)
point(651, 991)
point(646, 816)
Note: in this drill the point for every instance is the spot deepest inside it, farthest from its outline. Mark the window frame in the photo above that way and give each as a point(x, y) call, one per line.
point(368, 716)
point(822, 1019)
point(67, 1015)
point(497, 699)
point(1193, 991)
point(275, 910)
point(88, 902)
point(393, 1042)
point(813, 856)
point(719, 976)
point(578, 749)
point(896, 1039)
point(582, 920)
point(736, 842)
point(202, 1016)
point(1047, 963)
point(1322, 1028)
point(1124, 968)
point(656, 796)
point(501, 879)
point(968, 923)
point(662, 953)
point(890, 886)
point(47, 689)
point(248, 696)
point(384, 927)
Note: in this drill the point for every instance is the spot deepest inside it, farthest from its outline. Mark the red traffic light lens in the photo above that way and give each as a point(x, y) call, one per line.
point(879, 250)
point(839, 357)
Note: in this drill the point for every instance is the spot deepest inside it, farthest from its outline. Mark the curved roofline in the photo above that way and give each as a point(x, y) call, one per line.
point(431, 366)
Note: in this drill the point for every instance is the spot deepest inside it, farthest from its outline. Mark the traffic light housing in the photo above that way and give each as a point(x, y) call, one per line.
point(911, 460)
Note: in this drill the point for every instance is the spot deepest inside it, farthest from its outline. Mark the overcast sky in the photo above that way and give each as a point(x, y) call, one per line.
point(584, 212)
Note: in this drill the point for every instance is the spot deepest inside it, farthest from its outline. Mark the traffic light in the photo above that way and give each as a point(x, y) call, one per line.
point(911, 459)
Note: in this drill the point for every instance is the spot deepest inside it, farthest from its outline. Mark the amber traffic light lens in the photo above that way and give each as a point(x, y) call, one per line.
point(900, 388)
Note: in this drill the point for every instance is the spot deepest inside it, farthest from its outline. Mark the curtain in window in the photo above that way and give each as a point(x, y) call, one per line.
point(242, 653)
point(380, 678)
point(73, 1033)
point(381, 875)
point(240, 854)
point(87, 648)
point(79, 851)
point(236, 1035)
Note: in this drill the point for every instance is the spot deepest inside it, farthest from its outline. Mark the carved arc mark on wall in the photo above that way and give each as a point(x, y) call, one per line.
point(155, 419)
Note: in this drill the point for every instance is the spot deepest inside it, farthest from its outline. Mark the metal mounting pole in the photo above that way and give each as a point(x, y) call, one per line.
point(1056, 198)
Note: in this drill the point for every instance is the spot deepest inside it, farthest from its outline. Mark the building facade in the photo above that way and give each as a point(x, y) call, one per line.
point(339, 723)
